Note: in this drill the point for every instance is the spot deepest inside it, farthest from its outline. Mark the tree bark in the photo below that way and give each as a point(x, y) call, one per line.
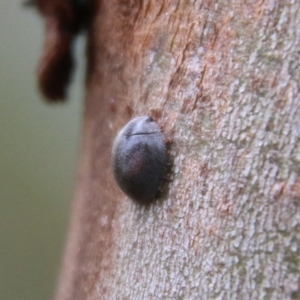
point(222, 80)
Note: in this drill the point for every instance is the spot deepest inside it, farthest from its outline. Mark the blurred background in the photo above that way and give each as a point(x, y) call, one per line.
point(38, 159)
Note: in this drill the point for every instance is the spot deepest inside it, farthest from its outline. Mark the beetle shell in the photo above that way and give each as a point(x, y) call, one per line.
point(140, 159)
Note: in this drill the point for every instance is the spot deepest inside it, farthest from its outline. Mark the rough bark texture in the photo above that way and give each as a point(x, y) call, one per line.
point(222, 78)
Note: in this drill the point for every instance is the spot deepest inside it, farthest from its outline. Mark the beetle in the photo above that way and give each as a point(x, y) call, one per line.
point(140, 159)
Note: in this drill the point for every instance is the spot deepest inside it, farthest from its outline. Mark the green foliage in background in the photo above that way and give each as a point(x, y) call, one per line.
point(38, 154)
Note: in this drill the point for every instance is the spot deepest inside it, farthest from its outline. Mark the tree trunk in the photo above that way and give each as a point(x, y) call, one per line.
point(222, 80)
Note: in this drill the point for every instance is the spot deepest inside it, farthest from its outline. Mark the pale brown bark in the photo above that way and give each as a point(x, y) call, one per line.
point(221, 77)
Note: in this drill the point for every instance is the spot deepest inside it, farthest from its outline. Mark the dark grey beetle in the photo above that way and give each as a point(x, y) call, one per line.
point(140, 159)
